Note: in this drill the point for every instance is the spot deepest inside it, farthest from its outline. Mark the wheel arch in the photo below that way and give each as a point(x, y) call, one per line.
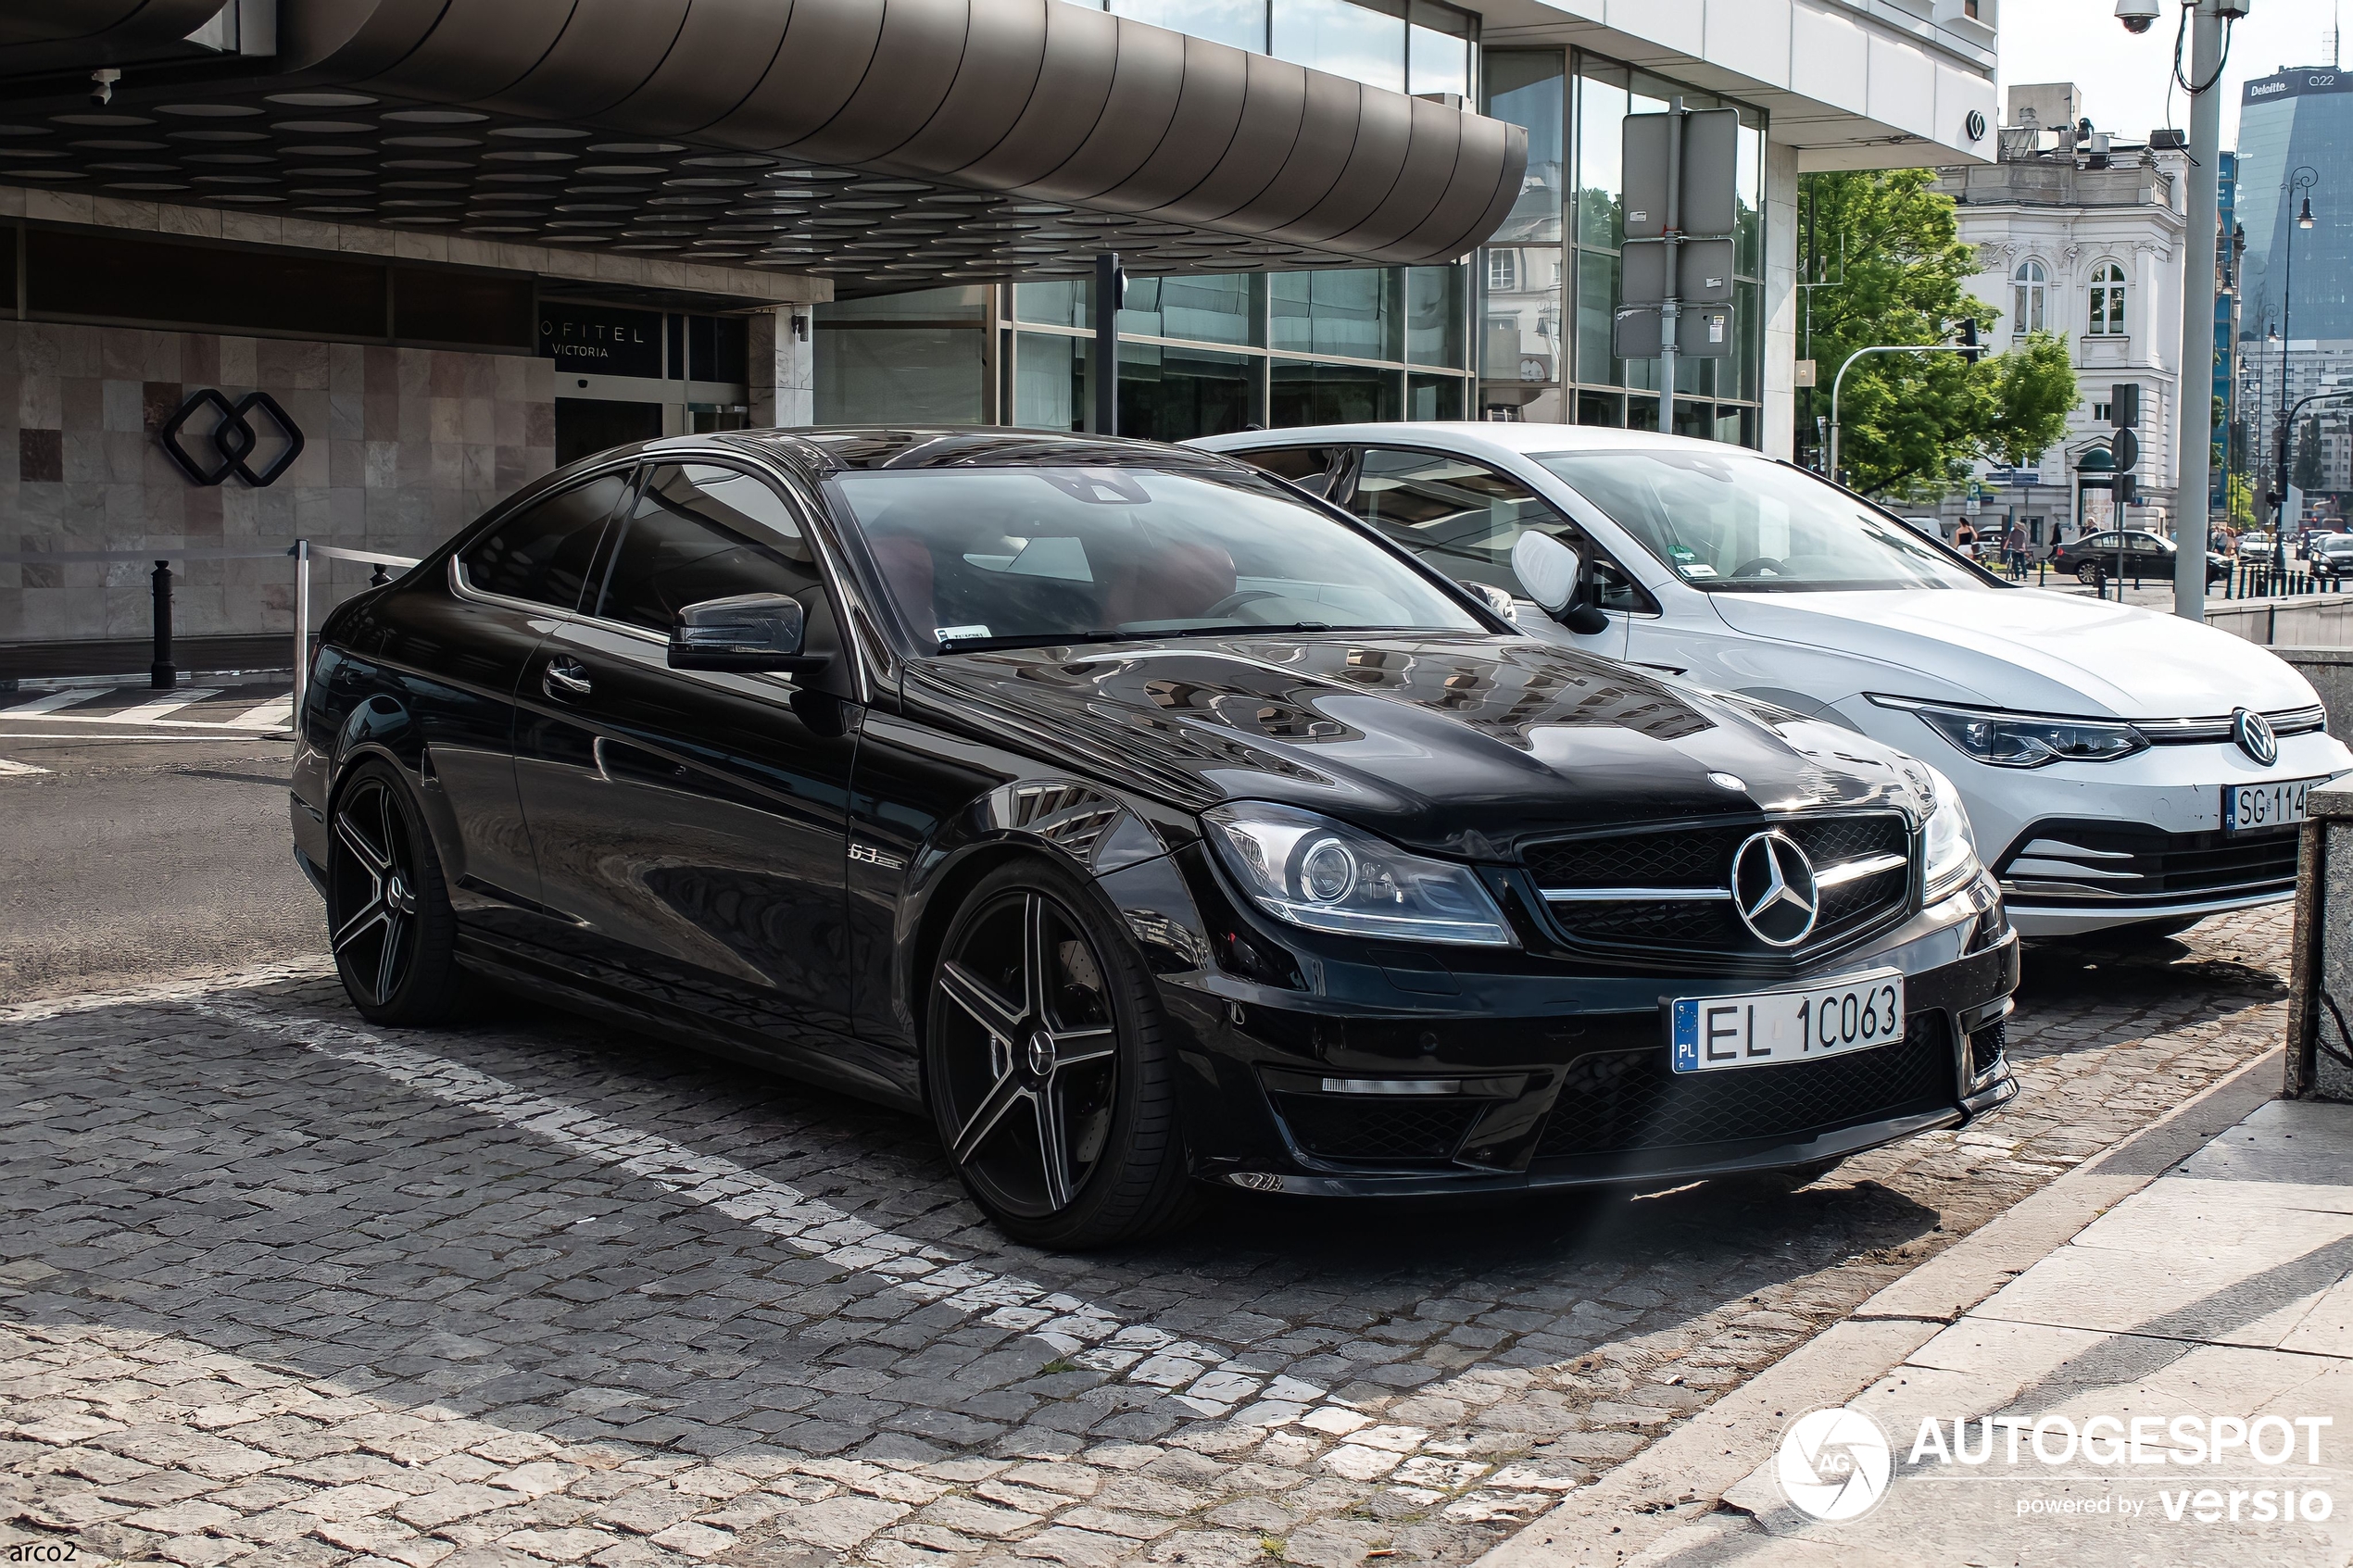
point(1087, 830)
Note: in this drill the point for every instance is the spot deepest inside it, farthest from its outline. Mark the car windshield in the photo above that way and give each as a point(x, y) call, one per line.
point(995, 557)
point(1733, 522)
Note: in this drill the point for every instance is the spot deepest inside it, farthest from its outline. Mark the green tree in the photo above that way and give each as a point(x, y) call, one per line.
point(1886, 244)
point(2307, 473)
point(2242, 501)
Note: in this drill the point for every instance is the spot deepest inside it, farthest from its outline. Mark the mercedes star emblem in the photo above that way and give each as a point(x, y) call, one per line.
point(2253, 732)
point(1773, 889)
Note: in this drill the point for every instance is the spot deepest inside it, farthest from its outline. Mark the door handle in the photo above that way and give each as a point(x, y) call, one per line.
point(563, 679)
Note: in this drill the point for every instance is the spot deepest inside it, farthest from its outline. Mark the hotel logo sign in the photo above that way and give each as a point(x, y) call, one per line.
point(227, 447)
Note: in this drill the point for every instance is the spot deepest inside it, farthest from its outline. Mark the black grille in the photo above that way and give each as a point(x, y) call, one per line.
point(2091, 864)
point(1985, 1047)
point(1625, 1101)
point(1700, 857)
point(1375, 1127)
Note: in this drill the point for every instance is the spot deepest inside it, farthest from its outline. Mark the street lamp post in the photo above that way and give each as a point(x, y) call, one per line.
point(2304, 178)
point(1969, 348)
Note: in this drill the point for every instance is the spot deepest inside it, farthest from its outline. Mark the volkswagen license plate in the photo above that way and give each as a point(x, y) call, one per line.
point(2278, 804)
point(1767, 1028)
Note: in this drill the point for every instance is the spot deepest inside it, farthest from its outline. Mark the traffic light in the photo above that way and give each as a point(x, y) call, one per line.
point(1971, 350)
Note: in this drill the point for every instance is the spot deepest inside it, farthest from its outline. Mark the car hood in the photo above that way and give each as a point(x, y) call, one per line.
point(1459, 744)
point(2027, 650)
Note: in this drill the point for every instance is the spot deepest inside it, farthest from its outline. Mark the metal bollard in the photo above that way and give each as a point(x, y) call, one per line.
point(161, 675)
point(379, 577)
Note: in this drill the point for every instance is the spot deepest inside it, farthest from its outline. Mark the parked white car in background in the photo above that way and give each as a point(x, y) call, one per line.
point(2123, 769)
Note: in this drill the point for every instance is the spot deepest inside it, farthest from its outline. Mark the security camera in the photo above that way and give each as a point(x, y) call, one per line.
point(102, 85)
point(2138, 16)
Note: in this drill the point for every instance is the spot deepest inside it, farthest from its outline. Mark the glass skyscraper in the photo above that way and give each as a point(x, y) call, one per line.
point(2294, 120)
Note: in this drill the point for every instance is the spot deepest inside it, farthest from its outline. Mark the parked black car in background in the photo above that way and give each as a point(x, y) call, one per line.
point(2331, 555)
point(1139, 819)
point(2145, 557)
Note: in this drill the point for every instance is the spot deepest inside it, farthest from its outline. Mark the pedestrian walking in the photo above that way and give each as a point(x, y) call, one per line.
point(1965, 539)
point(2017, 543)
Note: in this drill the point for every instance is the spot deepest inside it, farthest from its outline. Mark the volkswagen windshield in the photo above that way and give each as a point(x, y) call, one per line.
point(1735, 523)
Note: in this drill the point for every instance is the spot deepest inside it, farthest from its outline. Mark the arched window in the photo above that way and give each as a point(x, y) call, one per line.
point(2107, 301)
point(2026, 298)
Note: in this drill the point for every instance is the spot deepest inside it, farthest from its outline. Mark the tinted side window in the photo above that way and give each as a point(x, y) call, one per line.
point(1307, 466)
point(542, 553)
point(698, 533)
point(1463, 518)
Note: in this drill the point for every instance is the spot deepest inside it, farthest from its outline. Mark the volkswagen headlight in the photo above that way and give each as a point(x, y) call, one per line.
point(1327, 876)
point(2004, 740)
point(1951, 850)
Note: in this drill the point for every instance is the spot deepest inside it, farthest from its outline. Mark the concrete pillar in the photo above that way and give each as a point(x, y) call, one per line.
point(781, 370)
point(2319, 1006)
point(1779, 433)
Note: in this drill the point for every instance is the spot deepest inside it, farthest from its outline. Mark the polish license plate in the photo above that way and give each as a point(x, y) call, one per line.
point(1769, 1028)
point(2279, 804)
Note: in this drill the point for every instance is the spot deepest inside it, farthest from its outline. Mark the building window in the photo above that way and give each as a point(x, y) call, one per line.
point(2107, 301)
point(1502, 269)
point(2027, 293)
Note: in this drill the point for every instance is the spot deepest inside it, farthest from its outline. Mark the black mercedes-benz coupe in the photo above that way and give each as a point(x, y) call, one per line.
point(1145, 820)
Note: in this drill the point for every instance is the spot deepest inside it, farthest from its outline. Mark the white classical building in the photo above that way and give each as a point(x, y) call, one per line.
point(2080, 233)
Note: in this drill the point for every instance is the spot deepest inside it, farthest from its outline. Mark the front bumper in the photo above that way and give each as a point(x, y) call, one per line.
point(2164, 805)
point(1464, 1084)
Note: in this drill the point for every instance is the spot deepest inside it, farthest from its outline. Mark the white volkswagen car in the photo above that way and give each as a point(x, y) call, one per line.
point(2122, 768)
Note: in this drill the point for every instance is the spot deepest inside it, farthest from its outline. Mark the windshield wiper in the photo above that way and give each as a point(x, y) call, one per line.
point(1034, 640)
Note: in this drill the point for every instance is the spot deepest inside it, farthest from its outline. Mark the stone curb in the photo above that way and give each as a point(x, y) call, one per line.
point(1686, 1473)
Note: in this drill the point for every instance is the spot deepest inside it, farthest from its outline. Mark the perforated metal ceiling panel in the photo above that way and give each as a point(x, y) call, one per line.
point(886, 143)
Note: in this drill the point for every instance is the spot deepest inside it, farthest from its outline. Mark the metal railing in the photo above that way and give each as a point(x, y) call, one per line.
point(2247, 578)
point(163, 675)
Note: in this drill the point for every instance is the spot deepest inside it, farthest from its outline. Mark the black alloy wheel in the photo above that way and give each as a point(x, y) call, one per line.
point(388, 916)
point(1047, 1067)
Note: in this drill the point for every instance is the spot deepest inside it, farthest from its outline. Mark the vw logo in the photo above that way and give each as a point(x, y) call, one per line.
point(2253, 732)
point(232, 438)
point(1773, 889)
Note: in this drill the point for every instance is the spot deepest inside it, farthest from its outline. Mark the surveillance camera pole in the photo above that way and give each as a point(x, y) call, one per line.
point(2195, 451)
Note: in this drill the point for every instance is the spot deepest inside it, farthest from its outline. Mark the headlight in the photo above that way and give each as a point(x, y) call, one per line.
point(2003, 741)
point(1327, 876)
point(1951, 851)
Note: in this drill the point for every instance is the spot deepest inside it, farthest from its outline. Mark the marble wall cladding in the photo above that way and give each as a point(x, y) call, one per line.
point(403, 446)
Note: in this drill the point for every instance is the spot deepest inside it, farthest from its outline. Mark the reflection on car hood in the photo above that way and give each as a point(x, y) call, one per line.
point(2027, 650)
point(1461, 745)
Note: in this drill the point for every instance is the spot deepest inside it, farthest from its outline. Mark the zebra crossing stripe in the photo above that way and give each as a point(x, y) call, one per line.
point(11, 770)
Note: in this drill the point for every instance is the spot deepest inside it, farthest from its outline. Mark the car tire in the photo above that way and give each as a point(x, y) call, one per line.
point(2089, 575)
point(1048, 1066)
point(389, 923)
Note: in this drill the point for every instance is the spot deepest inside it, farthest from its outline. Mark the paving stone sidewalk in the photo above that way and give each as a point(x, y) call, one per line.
point(278, 1288)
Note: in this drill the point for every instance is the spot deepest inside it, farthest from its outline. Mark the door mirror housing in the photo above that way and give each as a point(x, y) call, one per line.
point(1558, 580)
point(750, 633)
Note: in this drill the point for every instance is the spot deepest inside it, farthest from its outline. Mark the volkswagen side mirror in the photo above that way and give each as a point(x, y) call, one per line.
point(1554, 576)
point(749, 632)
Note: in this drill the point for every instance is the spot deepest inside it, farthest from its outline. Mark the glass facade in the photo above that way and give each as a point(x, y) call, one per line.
point(1548, 282)
point(1199, 356)
point(2296, 131)
point(1522, 332)
point(1405, 46)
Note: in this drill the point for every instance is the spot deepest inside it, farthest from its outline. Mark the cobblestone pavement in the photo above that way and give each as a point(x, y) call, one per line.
point(277, 1288)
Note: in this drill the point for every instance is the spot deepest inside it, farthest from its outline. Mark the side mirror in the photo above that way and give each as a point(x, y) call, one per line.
point(1554, 575)
point(749, 632)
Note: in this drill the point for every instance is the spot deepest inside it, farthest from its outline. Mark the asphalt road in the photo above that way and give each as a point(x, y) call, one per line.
point(132, 861)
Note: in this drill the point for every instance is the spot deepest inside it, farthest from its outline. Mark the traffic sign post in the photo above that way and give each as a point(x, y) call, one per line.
point(1681, 202)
